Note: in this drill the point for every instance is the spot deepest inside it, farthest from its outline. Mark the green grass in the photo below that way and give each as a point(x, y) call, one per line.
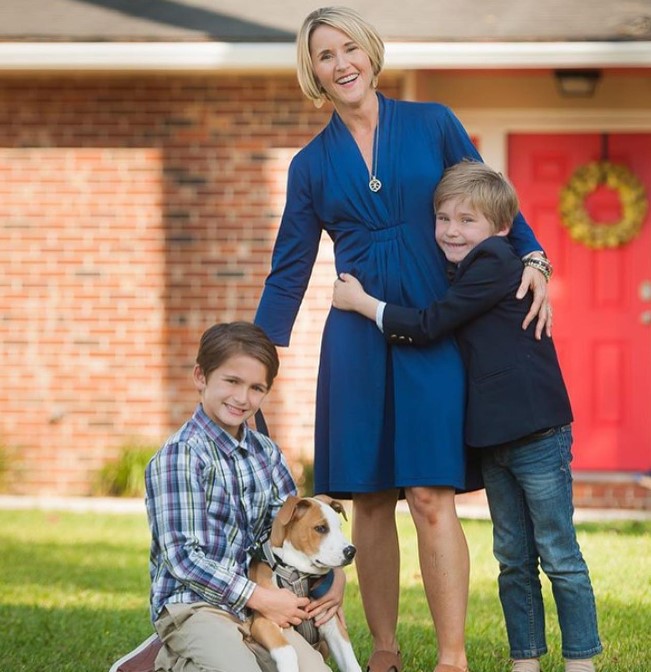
point(74, 587)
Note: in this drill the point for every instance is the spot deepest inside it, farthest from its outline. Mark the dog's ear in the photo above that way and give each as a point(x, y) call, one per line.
point(292, 508)
point(334, 504)
point(286, 511)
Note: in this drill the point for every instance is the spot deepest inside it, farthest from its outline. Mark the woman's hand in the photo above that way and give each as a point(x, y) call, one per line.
point(331, 603)
point(534, 280)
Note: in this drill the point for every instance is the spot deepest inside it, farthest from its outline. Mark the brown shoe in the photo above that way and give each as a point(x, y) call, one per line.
point(384, 661)
point(141, 659)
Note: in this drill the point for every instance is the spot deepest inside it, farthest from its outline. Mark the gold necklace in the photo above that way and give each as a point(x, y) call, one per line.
point(374, 184)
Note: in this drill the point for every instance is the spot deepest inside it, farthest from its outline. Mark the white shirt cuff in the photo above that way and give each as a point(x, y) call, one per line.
point(379, 315)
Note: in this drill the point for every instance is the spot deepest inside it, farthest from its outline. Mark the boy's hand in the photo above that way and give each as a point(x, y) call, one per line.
point(280, 606)
point(331, 603)
point(348, 294)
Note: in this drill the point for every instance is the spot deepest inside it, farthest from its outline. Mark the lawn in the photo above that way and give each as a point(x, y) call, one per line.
point(73, 595)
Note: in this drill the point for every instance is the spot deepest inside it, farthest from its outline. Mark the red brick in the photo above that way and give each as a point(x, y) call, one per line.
point(134, 212)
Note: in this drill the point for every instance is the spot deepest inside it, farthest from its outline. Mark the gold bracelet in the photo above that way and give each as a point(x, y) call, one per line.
point(541, 264)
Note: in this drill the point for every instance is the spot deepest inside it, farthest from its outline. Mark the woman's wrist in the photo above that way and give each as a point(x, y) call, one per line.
point(539, 261)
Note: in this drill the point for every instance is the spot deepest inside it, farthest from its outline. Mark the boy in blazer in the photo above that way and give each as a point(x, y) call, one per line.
point(518, 411)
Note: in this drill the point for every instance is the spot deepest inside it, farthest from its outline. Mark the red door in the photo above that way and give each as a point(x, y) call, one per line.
point(601, 298)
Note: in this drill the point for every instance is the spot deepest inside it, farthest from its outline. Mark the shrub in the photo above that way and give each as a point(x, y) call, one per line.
point(4, 468)
point(125, 477)
point(303, 472)
point(10, 468)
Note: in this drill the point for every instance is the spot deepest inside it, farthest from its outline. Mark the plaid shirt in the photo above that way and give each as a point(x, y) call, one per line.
point(209, 500)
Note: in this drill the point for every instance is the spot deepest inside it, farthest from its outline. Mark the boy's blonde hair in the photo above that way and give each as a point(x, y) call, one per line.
point(483, 188)
point(346, 20)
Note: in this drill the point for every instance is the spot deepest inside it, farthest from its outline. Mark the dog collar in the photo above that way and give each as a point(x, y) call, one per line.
point(319, 587)
point(303, 585)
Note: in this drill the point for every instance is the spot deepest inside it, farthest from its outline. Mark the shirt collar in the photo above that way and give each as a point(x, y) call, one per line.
point(224, 441)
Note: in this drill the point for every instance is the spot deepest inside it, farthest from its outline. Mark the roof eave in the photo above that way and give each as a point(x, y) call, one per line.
point(248, 56)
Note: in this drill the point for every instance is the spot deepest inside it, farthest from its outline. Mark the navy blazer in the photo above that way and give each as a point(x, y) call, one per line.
point(515, 384)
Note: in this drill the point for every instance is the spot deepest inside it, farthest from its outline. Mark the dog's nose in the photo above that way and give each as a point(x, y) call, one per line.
point(349, 552)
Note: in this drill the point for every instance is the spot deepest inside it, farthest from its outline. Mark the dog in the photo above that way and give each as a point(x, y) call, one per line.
point(305, 545)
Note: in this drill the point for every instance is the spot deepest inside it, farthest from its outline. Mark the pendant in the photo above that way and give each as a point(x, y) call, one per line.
point(374, 185)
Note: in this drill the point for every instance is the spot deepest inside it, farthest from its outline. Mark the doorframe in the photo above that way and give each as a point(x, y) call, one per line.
point(493, 125)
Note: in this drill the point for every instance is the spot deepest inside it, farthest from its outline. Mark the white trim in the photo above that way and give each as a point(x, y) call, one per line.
point(243, 56)
point(493, 126)
point(145, 56)
point(482, 55)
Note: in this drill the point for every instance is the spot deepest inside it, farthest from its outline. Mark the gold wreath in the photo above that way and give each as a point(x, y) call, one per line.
point(631, 195)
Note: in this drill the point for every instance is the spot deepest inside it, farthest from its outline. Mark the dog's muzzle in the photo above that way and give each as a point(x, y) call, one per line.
point(349, 553)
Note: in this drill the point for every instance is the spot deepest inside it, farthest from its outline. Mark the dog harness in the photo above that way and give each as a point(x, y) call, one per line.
point(301, 584)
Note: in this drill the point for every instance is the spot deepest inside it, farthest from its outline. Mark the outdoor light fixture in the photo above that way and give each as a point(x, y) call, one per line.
point(577, 83)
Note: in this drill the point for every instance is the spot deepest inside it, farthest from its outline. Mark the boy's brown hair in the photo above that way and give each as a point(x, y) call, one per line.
point(222, 341)
point(485, 189)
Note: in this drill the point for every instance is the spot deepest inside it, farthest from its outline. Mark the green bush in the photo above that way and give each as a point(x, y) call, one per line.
point(9, 468)
point(125, 477)
point(303, 472)
point(4, 468)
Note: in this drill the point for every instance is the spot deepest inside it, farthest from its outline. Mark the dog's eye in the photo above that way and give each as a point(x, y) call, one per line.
point(321, 529)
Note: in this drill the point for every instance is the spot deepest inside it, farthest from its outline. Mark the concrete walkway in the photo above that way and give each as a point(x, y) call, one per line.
point(470, 506)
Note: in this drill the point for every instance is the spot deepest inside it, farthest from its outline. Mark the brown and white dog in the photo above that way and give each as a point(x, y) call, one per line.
point(307, 539)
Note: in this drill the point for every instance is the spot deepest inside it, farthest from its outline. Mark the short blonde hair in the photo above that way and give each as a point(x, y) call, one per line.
point(346, 20)
point(485, 189)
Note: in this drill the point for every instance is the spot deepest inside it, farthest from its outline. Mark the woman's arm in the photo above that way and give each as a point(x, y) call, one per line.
point(294, 254)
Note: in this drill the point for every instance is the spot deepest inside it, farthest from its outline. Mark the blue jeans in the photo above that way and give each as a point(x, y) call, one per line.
point(529, 491)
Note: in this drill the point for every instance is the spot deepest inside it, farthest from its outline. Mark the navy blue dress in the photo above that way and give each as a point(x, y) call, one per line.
point(385, 417)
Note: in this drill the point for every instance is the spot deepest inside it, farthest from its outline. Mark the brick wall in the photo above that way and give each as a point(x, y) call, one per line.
point(612, 490)
point(134, 213)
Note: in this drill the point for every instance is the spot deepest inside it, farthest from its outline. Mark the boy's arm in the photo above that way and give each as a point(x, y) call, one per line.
point(478, 288)
point(177, 509)
point(481, 285)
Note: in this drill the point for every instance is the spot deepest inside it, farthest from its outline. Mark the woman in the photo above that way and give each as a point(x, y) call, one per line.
point(387, 420)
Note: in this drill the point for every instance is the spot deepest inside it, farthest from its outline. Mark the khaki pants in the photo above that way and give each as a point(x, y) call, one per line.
point(201, 638)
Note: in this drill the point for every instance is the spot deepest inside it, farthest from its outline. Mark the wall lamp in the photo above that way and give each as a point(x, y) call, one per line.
point(577, 83)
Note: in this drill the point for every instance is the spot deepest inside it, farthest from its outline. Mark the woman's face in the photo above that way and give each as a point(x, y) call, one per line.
point(341, 66)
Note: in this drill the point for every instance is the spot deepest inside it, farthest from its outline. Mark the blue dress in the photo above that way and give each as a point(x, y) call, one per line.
point(386, 416)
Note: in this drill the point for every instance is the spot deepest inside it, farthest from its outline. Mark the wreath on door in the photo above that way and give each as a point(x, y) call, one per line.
point(585, 180)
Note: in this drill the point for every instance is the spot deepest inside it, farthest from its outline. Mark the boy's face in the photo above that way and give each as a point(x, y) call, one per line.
point(460, 227)
point(233, 392)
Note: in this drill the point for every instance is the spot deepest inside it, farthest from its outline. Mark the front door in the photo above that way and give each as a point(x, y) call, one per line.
point(601, 298)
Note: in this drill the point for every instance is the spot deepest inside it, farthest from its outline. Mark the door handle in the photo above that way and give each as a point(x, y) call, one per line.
point(645, 317)
point(645, 290)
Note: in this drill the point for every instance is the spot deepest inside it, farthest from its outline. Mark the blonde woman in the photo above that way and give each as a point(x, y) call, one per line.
point(388, 420)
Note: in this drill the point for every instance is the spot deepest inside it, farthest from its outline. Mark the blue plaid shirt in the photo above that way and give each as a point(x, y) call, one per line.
point(209, 500)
